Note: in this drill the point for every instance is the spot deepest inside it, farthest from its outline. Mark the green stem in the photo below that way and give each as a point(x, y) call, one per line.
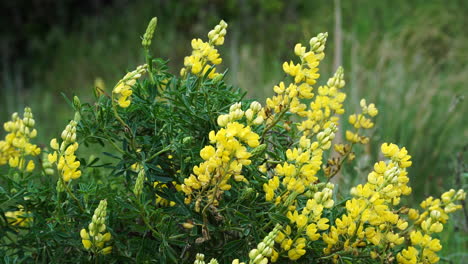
point(272, 124)
point(345, 157)
point(116, 114)
point(159, 153)
point(115, 146)
point(145, 219)
point(72, 195)
point(150, 66)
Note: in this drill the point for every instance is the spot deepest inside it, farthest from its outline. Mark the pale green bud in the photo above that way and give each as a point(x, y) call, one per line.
point(148, 36)
point(139, 183)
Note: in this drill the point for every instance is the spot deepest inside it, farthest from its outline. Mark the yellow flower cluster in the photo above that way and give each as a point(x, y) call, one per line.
point(223, 161)
point(204, 54)
point(345, 151)
point(370, 218)
point(326, 104)
point(96, 238)
point(306, 223)
point(361, 121)
point(298, 176)
point(67, 164)
point(17, 146)
point(397, 155)
point(423, 247)
point(287, 97)
point(300, 169)
point(19, 218)
point(123, 89)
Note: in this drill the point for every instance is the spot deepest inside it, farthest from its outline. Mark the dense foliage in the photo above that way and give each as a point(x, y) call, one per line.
point(192, 171)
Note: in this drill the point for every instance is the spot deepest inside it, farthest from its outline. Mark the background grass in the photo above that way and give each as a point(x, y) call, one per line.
point(409, 57)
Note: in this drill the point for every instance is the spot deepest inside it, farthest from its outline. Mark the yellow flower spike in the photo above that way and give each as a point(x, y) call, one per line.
point(205, 53)
point(227, 154)
point(16, 146)
point(95, 239)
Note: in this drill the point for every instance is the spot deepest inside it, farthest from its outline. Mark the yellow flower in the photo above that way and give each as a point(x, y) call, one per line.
point(123, 89)
point(19, 217)
point(30, 166)
point(408, 256)
point(53, 144)
point(311, 232)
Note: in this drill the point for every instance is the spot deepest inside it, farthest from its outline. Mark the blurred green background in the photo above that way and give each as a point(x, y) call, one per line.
point(408, 57)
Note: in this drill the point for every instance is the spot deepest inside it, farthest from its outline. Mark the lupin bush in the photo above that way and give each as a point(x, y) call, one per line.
point(191, 169)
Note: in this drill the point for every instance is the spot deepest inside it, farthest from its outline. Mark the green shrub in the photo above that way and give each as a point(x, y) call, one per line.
point(192, 170)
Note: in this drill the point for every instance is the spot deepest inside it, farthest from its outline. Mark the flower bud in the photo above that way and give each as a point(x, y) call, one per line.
point(249, 114)
point(139, 183)
point(148, 36)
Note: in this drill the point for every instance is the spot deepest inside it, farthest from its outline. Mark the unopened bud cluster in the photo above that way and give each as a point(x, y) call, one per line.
point(325, 196)
point(46, 165)
point(200, 259)
point(147, 38)
point(317, 45)
point(94, 239)
point(68, 134)
point(236, 113)
point(337, 81)
point(216, 35)
point(139, 182)
point(326, 137)
point(264, 249)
